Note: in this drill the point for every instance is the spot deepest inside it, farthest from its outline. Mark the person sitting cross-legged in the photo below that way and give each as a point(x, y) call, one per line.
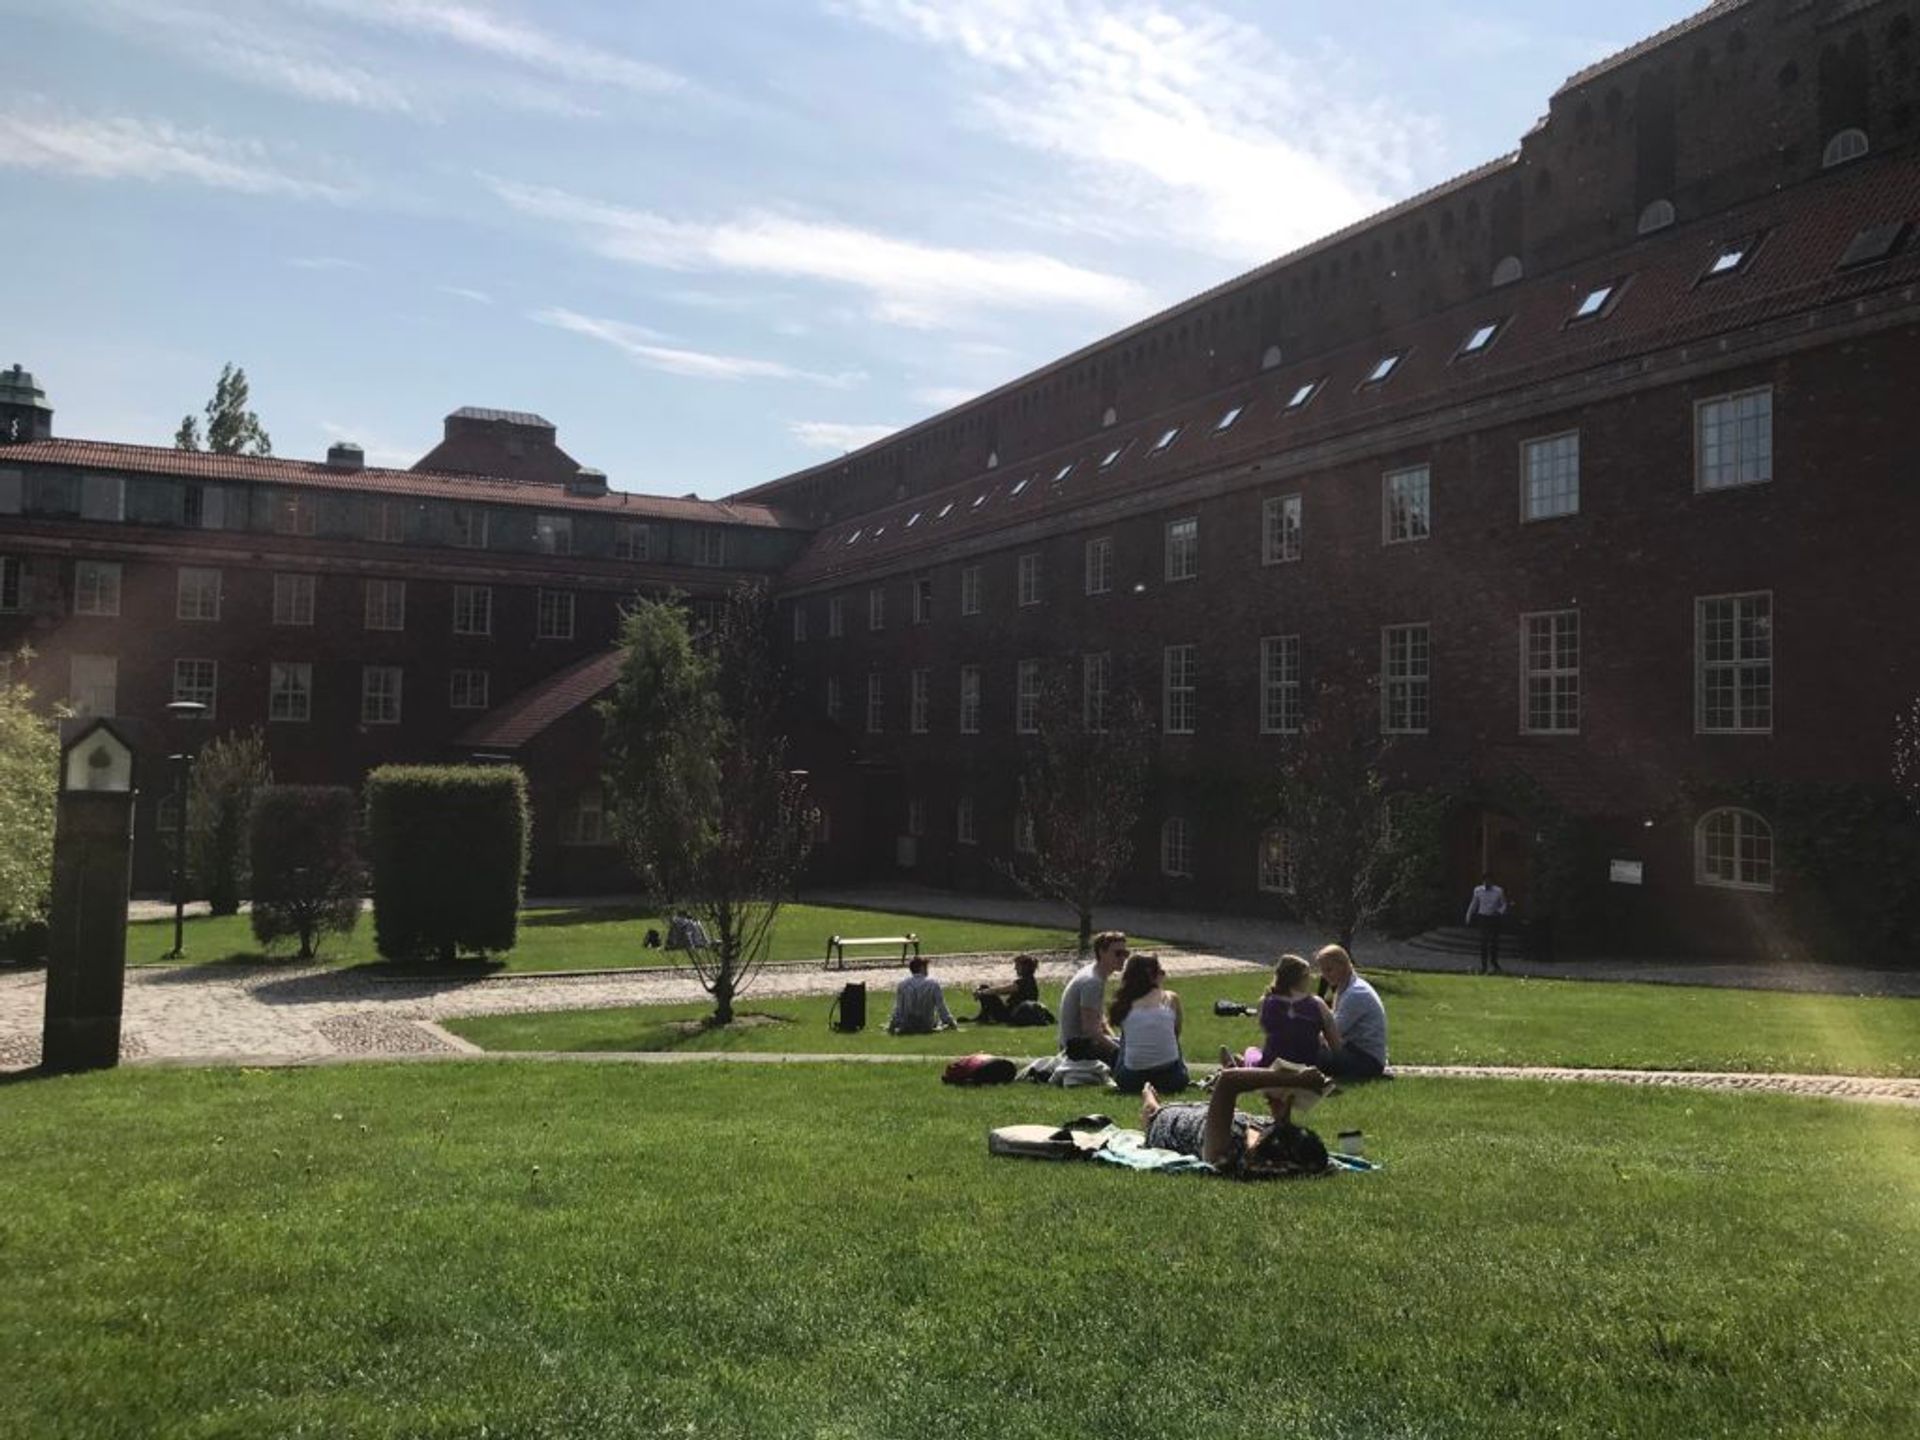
point(919, 1004)
point(997, 1002)
point(1229, 1139)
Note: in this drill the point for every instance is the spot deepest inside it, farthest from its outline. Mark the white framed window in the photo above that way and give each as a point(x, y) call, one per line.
point(836, 704)
point(1280, 529)
point(469, 527)
point(380, 694)
point(1095, 673)
point(964, 831)
point(199, 594)
point(1176, 847)
point(1023, 840)
point(1178, 689)
point(1405, 678)
point(876, 702)
point(710, 546)
point(104, 497)
point(1183, 548)
point(1099, 565)
point(1733, 850)
point(1733, 440)
point(293, 599)
point(916, 815)
point(473, 609)
point(923, 600)
point(295, 512)
point(553, 534)
point(799, 622)
point(836, 616)
point(386, 604)
point(876, 608)
point(1028, 571)
point(586, 822)
point(96, 587)
point(1280, 698)
point(1550, 673)
point(632, 541)
point(1026, 698)
point(919, 692)
point(970, 590)
point(1733, 648)
point(386, 521)
point(969, 699)
point(198, 681)
point(468, 689)
point(553, 616)
point(1550, 470)
point(1278, 871)
point(289, 691)
point(1845, 146)
point(93, 685)
point(1406, 511)
point(12, 582)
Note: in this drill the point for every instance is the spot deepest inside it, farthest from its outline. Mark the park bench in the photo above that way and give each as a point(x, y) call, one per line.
point(837, 947)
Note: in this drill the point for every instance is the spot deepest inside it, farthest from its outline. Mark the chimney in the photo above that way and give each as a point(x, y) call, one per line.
point(588, 481)
point(345, 455)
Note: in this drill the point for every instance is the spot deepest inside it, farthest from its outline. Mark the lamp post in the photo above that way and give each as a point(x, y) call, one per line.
point(182, 762)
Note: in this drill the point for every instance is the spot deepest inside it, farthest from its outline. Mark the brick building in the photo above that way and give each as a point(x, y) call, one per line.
point(1589, 467)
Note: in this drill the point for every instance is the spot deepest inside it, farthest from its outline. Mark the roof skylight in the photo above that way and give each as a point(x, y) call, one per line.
point(878, 531)
point(1107, 461)
point(1062, 473)
point(1167, 437)
point(978, 500)
point(1383, 367)
point(1873, 244)
point(1022, 483)
point(1595, 300)
point(856, 535)
point(1225, 422)
point(1481, 338)
point(945, 510)
point(913, 519)
point(1303, 394)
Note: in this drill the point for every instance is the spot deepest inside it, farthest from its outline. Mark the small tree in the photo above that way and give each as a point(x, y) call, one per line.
point(449, 850)
point(1082, 784)
point(29, 777)
point(703, 802)
point(307, 878)
point(219, 800)
point(232, 429)
point(1906, 754)
point(1331, 802)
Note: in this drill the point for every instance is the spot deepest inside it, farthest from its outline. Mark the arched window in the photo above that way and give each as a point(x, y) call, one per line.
point(1657, 216)
point(1733, 849)
point(1508, 271)
point(1278, 874)
point(1271, 360)
point(1844, 146)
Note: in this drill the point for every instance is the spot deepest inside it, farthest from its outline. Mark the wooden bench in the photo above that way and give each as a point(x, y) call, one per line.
point(837, 947)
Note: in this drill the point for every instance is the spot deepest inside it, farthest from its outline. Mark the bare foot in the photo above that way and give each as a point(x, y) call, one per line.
point(1149, 1102)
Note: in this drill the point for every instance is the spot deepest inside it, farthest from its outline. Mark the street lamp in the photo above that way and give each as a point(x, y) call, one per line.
point(182, 761)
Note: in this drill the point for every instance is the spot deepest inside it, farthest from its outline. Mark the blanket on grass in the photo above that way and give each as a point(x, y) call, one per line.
point(1096, 1138)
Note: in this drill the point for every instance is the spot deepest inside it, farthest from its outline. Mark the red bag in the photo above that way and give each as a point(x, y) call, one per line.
point(980, 1070)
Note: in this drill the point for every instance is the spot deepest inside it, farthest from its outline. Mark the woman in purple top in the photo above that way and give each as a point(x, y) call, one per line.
point(1292, 1019)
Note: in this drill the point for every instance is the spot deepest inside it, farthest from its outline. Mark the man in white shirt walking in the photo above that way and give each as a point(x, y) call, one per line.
point(1488, 911)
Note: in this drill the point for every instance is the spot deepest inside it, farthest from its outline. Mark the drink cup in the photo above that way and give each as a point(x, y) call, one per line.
point(1352, 1142)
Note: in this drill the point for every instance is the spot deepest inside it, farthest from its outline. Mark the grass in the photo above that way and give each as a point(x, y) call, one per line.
point(1434, 1019)
point(560, 1250)
point(597, 937)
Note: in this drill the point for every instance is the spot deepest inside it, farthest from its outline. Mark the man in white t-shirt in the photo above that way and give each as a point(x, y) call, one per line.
point(1084, 1032)
point(1487, 911)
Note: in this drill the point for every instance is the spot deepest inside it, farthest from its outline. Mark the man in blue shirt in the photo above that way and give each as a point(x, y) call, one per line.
point(1361, 1018)
point(919, 1004)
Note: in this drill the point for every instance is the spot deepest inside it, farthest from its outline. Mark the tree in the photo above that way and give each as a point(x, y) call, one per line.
point(219, 801)
point(29, 777)
point(1082, 785)
point(232, 429)
point(696, 770)
point(1331, 804)
point(307, 877)
point(1906, 754)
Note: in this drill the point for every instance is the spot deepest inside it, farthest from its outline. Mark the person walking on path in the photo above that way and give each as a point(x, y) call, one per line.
point(1359, 1016)
point(1084, 1033)
point(1487, 910)
point(919, 1004)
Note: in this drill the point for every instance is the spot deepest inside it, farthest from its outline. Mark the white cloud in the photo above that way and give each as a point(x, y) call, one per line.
point(122, 148)
point(945, 397)
point(906, 283)
point(1193, 124)
point(645, 346)
point(835, 436)
point(478, 297)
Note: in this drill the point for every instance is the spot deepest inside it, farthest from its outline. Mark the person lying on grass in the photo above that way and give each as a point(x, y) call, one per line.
point(1147, 1016)
point(996, 1002)
point(1293, 1020)
point(1232, 1141)
point(919, 1005)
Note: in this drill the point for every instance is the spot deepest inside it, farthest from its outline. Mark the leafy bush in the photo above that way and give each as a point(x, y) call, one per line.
point(307, 877)
point(219, 799)
point(448, 845)
point(29, 773)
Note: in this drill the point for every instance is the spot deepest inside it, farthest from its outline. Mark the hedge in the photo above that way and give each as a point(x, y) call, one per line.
point(448, 846)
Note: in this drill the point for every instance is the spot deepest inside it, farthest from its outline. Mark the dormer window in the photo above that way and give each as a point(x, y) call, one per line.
point(1481, 337)
point(1167, 437)
point(1062, 473)
point(1303, 394)
point(1597, 302)
point(1112, 457)
point(1844, 147)
point(1382, 368)
point(1730, 257)
point(1225, 422)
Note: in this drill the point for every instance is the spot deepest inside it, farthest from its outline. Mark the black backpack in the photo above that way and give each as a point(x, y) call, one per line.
point(849, 1011)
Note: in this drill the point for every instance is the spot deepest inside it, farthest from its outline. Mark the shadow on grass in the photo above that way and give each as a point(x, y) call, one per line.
point(586, 915)
point(188, 972)
point(674, 1035)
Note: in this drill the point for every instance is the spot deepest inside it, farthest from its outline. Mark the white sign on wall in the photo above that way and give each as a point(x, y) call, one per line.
point(1625, 872)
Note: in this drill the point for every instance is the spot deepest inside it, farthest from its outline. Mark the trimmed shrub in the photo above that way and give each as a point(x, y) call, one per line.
point(449, 850)
point(307, 877)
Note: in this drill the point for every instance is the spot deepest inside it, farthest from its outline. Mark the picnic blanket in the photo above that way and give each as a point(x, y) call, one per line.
point(1093, 1137)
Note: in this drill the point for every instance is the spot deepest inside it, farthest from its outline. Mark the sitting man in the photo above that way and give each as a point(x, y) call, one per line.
point(919, 1004)
point(1084, 1032)
point(1358, 1015)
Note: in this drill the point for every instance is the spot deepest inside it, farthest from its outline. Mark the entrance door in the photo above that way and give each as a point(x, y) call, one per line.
point(1505, 854)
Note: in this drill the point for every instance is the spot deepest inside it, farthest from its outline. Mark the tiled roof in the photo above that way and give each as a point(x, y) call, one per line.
point(533, 710)
point(1664, 303)
point(314, 474)
point(1654, 42)
point(512, 417)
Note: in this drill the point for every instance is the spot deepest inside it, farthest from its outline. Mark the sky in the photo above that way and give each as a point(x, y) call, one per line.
point(715, 243)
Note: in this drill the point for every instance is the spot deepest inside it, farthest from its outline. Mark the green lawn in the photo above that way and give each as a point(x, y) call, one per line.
point(563, 1250)
point(1434, 1019)
point(606, 938)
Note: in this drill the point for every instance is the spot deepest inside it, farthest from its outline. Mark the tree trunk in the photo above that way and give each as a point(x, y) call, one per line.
point(723, 1000)
point(1086, 930)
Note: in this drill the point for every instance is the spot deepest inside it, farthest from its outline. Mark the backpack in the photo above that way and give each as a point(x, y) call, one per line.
point(979, 1070)
point(849, 1010)
point(1030, 1012)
